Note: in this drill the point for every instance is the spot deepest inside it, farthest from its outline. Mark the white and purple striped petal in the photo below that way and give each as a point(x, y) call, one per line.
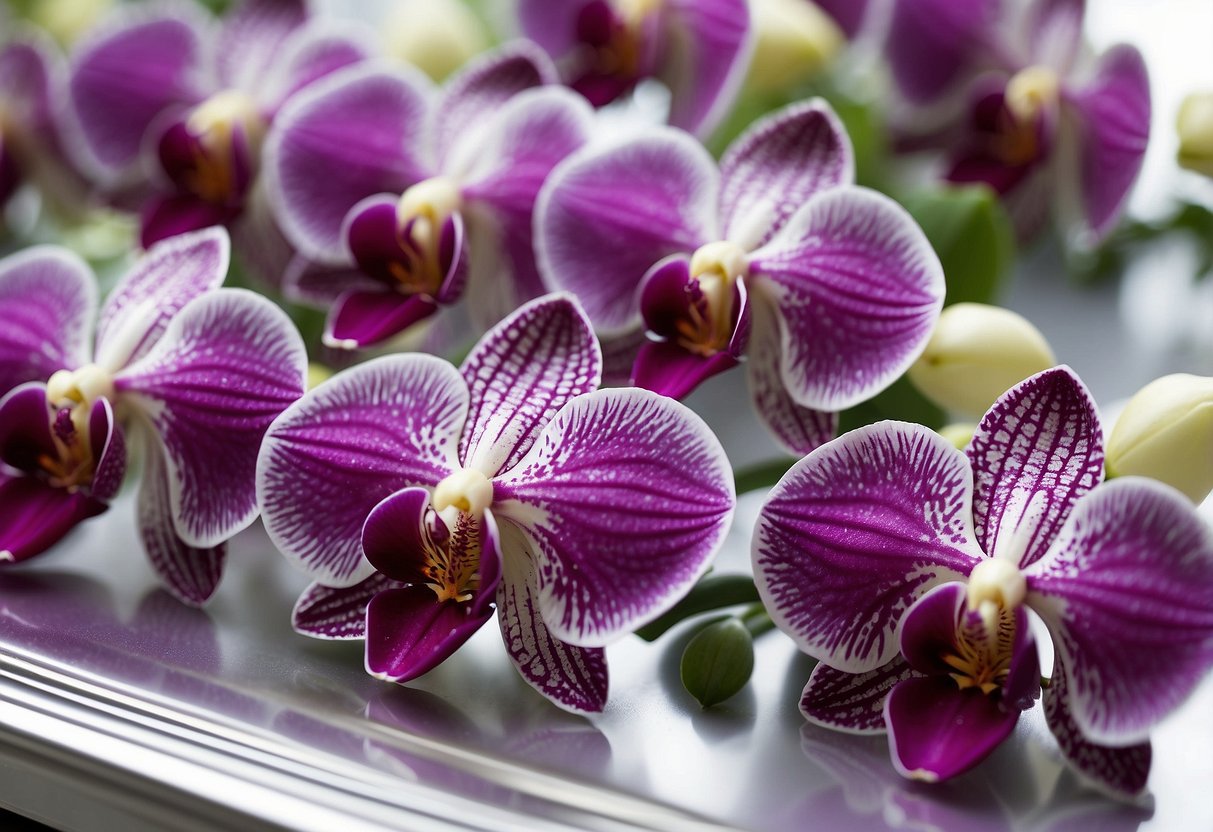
point(703, 59)
point(227, 365)
point(1122, 771)
point(333, 455)
point(855, 533)
point(143, 304)
point(520, 374)
point(338, 613)
point(605, 216)
point(190, 573)
point(144, 59)
point(49, 297)
point(250, 37)
point(859, 289)
point(1055, 32)
point(1114, 129)
point(316, 49)
point(573, 677)
point(773, 168)
point(626, 496)
point(1035, 453)
point(852, 702)
point(933, 43)
point(1125, 592)
point(354, 134)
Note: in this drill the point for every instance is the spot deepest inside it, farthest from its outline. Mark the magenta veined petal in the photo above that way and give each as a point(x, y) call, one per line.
point(169, 215)
point(668, 368)
point(354, 134)
point(626, 496)
point(332, 456)
point(49, 297)
point(190, 573)
point(227, 366)
point(35, 516)
point(338, 613)
point(856, 532)
point(1055, 33)
point(520, 374)
point(859, 289)
point(575, 678)
point(1121, 771)
point(933, 43)
point(851, 702)
point(1114, 129)
point(314, 50)
point(937, 731)
point(363, 318)
point(1034, 454)
point(1124, 590)
point(142, 60)
point(551, 23)
point(605, 216)
point(170, 275)
point(109, 447)
point(703, 59)
point(251, 37)
point(776, 165)
point(485, 85)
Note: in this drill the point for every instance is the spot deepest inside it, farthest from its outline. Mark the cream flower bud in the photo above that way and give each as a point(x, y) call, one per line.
point(436, 36)
point(976, 354)
point(959, 434)
point(795, 40)
point(1166, 433)
point(1195, 126)
point(68, 20)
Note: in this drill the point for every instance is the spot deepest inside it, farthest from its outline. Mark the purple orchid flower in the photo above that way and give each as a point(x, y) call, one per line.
point(1006, 89)
point(699, 49)
point(580, 513)
point(428, 194)
point(907, 568)
point(32, 78)
point(831, 291)
point(174, 110)
point(197, 372)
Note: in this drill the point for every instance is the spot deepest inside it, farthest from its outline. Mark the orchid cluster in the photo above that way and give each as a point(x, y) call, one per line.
point(550, 217)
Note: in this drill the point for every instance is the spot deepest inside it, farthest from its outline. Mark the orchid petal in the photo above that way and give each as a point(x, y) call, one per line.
point(668, 368)
point(338, 613)
point(848, 14)
point(356, 133)
point(931, 43)
point(627, 496)
point(573, 677)
point(520, 374)
point(30, 75)
point(937, 731)
point(333, 455)
point(776, 165)
point(49, 297)
point(1121, 771)
point(250, 38)
point(35, 516)
point(144, 59)
point(605, 216)
point(859, 289)
point(1124, 590)
point(109, 448)
point(144, 303)
point(362, 318)
point(318, 48)
point(851, 702)
point(172, 214)
point(797, 428)
point(1114, 125)
point(409, 632)
point(25, 428)
point(487, 84)
point(1038, 449)
point(1055, 33)
point(928, 631)
point(225, 368)
point(706, 55)
point(551, 23)
point(318, 285)
point(190, 573)
point(855, 533)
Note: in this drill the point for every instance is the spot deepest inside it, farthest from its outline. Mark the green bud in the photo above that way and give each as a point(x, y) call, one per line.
point(794, 41)
point(718, 661)
point(1166, 432)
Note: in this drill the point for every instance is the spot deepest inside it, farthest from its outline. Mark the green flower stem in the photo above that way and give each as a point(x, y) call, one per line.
point(711, 593)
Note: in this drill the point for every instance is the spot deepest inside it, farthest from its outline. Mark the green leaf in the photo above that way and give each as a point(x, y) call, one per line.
point(762, 474)
point(900, 401)
point(718, 661)
point(972, 235)
point(713, 592)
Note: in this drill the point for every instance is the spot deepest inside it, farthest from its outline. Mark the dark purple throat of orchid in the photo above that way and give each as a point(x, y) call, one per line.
point(72, 462)
point(451, 566)
point(986, 635)
point(212, 153)
point(615, 48)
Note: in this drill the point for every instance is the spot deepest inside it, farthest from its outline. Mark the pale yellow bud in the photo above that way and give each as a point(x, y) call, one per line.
point(1195, 126)
point(958, 434)
point(976, 354)
point(1166, 433)
point(795, 40)
point(317, 374)
point(67, 20)
point(436, 36)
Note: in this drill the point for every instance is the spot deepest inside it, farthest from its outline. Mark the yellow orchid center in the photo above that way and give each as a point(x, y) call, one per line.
point(452, 566)
point(985, 648)
point(421, 215)
point(216, 174)
point(1031, 92)
point(466, 490)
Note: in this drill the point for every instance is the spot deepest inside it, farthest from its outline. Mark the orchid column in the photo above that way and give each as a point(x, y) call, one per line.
point(580, 513)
